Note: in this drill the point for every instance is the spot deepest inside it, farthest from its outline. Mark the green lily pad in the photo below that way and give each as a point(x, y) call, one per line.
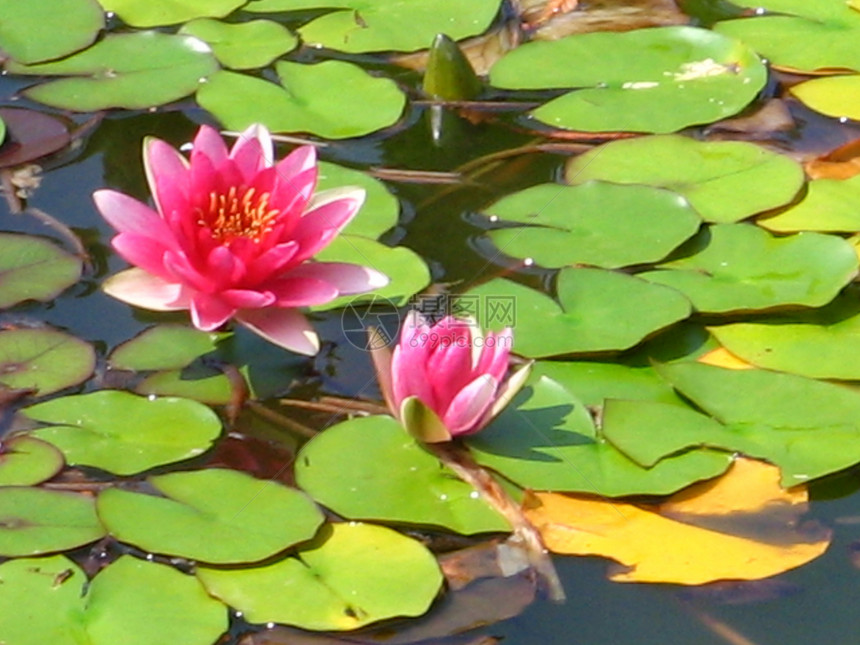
point(546, 440)
point(33, 268)
point(807, 427)
point(164, 347)
point(130, 602)
point(36, 521)
point(828, 29)
point(351, 575)
point(593, 383)
point(155, 13)
point(725, 181)
point(142, 603)
point(244, 45)
point(124, 433)
point(206, 385)
point(597, 311)
point(45, 360)
point(739, 267)
point(407, 272)
point(381, 209)
point(814, 344)
point(598, 224)
point(35, 31)
point(216, 515)
point(42, 600)
point(648, 431)
point(134, 71)
point(370, 468)
point(309, 99)
point(829, 205)
point(2, 130)
point(836, 96)
point(630, 78)
point(25, 461)
point(383, 25)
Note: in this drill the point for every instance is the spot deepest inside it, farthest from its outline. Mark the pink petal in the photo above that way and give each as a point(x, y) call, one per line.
point(409, 376)
point(127, 215)
point(274, 261)
point(325, 220)
point(167, 175)
point(138, 288)
point(208, 144)
point(181, 270)
point(247, 299)
point(470, 404)
point(209, 312)
point(496, 352)
point(224, 268)
point(249, 157)
point(142, 252)
point(253, 150)
point(301, 292)
point(450, 367)
point(284, 327)
point(348, 279)
point(297, 162)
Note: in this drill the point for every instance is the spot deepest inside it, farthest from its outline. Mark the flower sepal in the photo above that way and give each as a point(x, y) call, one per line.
point(422, 422)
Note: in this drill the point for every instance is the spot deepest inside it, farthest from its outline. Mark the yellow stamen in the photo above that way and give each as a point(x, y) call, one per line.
point(234, 214)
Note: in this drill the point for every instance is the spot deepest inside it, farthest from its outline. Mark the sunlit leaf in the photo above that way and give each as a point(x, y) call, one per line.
point(33, 268)
point(35, 31)
point(739, 267)
point(208, 386)
point(215, 515)
point(813, 344)
point(135, 602)
point(42, 600)
point(809, 428)
point(710, 174)
point(828, 30)
point(309, 99)
point(407, 272)
point(598, 224)
point(829, 205)
point(596, 311)
point(349, 576)
point(696, 537)
point(381, 25)
point(244, 45)
point(45, 360)
point(25, 461)
point(163, 347)
point(594, 382)
point(370, 468)
point(836, 96)
point(380, 210)
point(124, 433)
point(30, 135)
point(630, 78)
point(154, 13)
point(131, 70)
point(37, 521)
point(48, 600)
point(546, 440)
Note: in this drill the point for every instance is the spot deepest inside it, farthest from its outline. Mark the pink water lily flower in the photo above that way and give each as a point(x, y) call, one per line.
point(233, 235)
point(447, 380)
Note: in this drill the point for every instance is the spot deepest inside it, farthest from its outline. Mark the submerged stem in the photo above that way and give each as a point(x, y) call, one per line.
point(458, 459)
